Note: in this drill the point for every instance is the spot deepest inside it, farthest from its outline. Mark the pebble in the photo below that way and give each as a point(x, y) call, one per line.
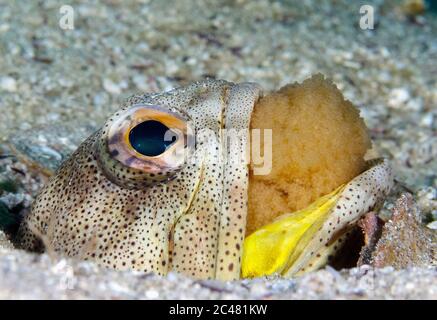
point(432, 225)
point(152, 294)
point(427, 120)
point(4, 27)
point(398, 97)
point(427, 201)
point(141, 82)
point(11, 200)
point(258, 290)
point(111, 87)
point(8, 84)
point(4, 242)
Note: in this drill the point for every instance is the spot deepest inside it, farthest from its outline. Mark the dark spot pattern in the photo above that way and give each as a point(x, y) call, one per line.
point(97, 208)
point(365, 191)
point(191, 220)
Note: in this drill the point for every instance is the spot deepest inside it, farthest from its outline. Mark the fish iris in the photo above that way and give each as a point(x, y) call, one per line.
point(151, 138)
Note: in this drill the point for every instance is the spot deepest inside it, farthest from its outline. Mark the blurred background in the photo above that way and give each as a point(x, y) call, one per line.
point(72, 73)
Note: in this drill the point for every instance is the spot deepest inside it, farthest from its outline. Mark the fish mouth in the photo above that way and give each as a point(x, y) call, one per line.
point(319, 184)
point(302, 241)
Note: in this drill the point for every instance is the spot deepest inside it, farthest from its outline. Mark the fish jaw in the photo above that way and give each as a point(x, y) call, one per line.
point(329, 218)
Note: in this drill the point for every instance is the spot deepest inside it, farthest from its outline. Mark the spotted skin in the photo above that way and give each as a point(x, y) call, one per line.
point(98, 209)
point(192, 219)
point(233, 217)
point(361, 195)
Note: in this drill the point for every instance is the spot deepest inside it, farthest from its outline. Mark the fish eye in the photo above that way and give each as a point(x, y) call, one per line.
point(145, 144)
point(149, 138)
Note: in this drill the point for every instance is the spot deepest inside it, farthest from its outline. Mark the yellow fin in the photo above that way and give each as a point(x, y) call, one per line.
point(274, 247)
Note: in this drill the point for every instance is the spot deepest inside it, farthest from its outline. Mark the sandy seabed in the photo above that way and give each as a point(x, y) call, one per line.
point(76, 78)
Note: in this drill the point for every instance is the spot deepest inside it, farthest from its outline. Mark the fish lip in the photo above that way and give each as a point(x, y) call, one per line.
point(370, 188)
point(321, 239)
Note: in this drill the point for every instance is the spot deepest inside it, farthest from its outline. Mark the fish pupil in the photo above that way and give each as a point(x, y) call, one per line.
point(149, 138)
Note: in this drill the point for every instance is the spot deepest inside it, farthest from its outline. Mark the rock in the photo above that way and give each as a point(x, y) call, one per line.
point(371, 226)
point(44, 148)
point(405, 242)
